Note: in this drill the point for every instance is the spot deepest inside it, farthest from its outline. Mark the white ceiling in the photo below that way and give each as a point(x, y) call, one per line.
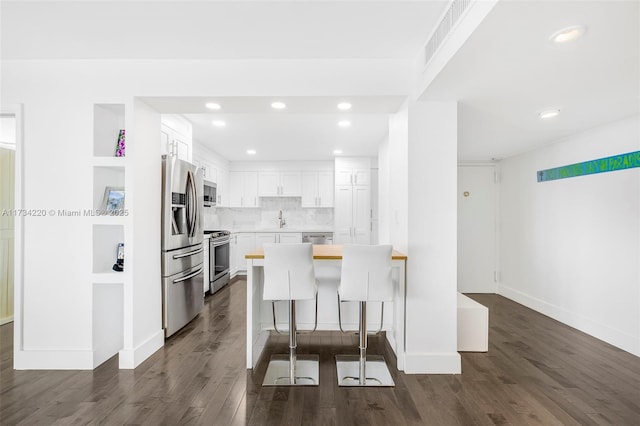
point(306, 129)
point(209, 29)
point(509, 71)
point(502, 77)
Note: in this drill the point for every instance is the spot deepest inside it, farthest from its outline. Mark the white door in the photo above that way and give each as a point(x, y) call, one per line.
point(476, 229)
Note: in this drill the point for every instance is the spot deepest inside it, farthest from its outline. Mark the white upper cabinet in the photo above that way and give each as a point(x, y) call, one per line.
point(353, 171)
point(243, 189)
point(317, 189)
point(222, 189)
point(279, 184)
point(176, 137)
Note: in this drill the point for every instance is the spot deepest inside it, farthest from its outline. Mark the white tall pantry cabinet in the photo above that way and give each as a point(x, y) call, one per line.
point(352, 211)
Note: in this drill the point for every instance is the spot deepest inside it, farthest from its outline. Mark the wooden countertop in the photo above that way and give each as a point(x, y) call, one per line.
point(326, 252)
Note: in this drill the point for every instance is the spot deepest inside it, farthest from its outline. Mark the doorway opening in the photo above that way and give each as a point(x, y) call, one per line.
point(8, 143)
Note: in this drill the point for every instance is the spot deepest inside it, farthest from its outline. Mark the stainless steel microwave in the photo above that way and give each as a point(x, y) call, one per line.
point(210, 194)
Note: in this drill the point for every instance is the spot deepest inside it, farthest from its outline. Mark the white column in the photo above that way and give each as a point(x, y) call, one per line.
point(423, 152)
point(143, 334)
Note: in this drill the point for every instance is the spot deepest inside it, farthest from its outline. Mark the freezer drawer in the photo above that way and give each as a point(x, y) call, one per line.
point(182, 298)
point(176, 261)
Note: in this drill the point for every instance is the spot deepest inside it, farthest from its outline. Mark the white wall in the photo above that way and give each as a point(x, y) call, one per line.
point(55, 330)
point(398, 202)
point(570, 248)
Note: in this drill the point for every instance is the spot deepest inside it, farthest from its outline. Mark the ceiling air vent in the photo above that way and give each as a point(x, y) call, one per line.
point(455, 11)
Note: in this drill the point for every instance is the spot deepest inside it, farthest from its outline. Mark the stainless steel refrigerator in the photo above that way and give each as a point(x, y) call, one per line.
point(182, 236)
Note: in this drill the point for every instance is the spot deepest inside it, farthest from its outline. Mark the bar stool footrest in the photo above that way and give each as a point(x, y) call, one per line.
point(307, 371)
point(377, 372)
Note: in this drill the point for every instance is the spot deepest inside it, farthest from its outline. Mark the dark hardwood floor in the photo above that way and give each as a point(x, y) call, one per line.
point(537, 372)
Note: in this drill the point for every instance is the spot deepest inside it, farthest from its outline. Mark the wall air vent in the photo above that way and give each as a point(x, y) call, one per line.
point(450, 18)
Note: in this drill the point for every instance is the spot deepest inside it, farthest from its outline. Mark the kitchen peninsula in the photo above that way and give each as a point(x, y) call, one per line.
point(326, 258)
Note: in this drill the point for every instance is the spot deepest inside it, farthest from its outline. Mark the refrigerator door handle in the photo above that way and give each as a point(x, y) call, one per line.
point(188, 277)
point(192, 205)
point(191, 253)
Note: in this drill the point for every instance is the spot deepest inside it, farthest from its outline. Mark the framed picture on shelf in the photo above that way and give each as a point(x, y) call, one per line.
point(113, 198)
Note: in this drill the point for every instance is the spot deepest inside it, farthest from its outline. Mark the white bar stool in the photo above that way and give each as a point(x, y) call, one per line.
point(289, 275)
point(366, 277)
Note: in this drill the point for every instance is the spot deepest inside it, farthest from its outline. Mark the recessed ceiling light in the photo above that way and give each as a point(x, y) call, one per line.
point(549, 113)
point(344, 123)
point(212, 105)
point(344, 106)
point(337, 151)
point(251, 151)
point(568, 34)
point(278, 105)
point(218, 123)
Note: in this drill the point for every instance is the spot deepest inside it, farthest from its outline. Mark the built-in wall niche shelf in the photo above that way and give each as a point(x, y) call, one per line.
point(108, 121)
point(105, 177)
point(105, 248)
point(109, 161)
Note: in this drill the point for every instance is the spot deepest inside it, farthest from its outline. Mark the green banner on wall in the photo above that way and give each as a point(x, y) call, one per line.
point(601, 165)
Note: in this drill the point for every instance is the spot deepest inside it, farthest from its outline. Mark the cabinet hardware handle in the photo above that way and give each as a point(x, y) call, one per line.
point(179, 280)
point(191, 253)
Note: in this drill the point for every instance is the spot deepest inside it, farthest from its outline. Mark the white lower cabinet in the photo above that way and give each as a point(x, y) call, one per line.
point(241, 244)
point(290, 237)
point(244, 242)
point(277, 237)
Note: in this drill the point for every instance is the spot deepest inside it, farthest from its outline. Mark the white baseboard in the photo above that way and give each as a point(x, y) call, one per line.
point(131, 358)
point(432, 363)
point(53, 360)
point(580, 322)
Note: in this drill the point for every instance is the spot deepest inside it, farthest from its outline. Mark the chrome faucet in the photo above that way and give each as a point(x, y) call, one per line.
point(281, 219)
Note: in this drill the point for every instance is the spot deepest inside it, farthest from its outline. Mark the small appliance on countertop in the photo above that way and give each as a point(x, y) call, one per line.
point(219, 259)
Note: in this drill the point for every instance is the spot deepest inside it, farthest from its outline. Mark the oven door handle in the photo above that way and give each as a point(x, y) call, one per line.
point(191, 253)
point(220, 243)
point(188, 277)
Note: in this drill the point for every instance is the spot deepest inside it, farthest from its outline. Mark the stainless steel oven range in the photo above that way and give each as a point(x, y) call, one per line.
point(219, 259)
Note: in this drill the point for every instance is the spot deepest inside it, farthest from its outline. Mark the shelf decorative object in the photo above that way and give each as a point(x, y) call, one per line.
point(120, 148)
point(113, 199)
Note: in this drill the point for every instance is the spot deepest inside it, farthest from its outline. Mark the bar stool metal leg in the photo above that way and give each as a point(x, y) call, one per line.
point(353, 369)
point(294, 369)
